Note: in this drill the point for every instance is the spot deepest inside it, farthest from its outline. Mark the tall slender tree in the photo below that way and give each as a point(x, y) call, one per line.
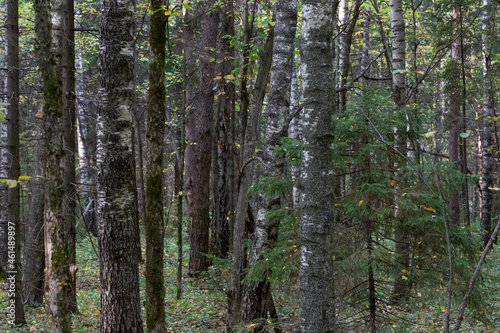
point(245, 181)
point(57, 254)
point(14, 203)
point(401, 247)
point(316, 288)
point(154, 224)
point(69, 138)
point(256, 295)
point(487, 136)
point(119, 271)
point(198, 152)
point(225, 199)
point(454, 87)
point(34, 247)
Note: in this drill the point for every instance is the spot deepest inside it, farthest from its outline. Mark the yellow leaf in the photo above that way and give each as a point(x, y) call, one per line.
point(404, 277)
point(404, 271)
point(360, 203)
point(393, 183)
point(419, 294)
point(431, 209)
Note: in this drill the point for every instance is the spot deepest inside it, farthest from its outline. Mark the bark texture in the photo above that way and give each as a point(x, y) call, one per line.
point(487, 136)
point(69, 137)
point(198, 152)
point(56, 241)
point(119, 273)
point(278, 107)
point(154, 224)
point(401, 247)
point(316, 287)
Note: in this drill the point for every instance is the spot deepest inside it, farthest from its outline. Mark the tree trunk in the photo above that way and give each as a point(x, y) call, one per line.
point(276, 113)
point(455, 101)
point(3, 164)
point(245, 181)
point(487, 137)
point(34, 248)
point(224, 144)
point(57, 252)
point(198, 154)
point(316, 287)
point(368, 223)
point(401, 247)
point(295, 132)
point(119, 273)
point(154, 224)
point(345, 51)
point(69, 139)
point(14, 272)
point(179, 180)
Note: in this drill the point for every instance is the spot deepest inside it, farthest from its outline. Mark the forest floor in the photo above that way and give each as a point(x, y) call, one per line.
point(203, 304)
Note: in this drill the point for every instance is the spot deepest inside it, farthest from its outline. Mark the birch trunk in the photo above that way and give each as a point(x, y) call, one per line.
point(401, 247)
point(119, 273)
point(487, 136)
point(316, 287)
point(278, 107)
point(57, 253)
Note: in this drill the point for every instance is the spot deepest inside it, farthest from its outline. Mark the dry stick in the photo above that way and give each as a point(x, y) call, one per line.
point(473, 279)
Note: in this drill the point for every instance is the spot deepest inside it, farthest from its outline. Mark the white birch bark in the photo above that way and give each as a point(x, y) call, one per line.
point(316, 287)
point(487, 136)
